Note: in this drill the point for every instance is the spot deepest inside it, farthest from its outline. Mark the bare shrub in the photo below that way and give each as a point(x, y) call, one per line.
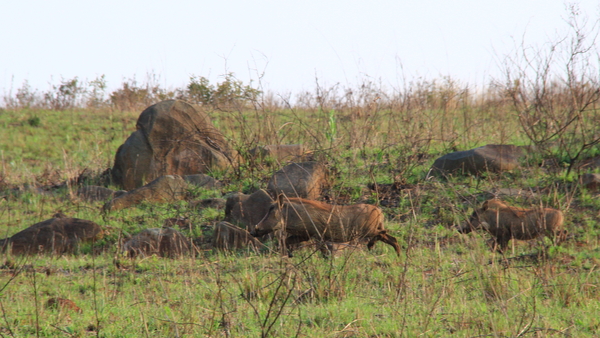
point(64, 96)
point(25, 98)
point(555, 91)
point(67, 94)
point(95, 95)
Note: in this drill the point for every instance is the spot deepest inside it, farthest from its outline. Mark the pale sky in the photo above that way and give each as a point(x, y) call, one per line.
point(290, 42)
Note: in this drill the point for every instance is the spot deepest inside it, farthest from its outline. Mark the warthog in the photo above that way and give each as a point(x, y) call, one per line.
point(302, 219)
point(504, 223)
point(229, 237)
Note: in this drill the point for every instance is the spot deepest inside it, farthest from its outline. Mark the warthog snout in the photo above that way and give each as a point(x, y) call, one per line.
point(258, 233)
point(464, 228)
point(268, 223)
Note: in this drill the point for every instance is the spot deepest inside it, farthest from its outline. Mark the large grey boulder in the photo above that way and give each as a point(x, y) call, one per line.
point(491, 157)
point(304, 180)
point(165, 189)
point(247, 210)
point(172, 138)
point(55, 236)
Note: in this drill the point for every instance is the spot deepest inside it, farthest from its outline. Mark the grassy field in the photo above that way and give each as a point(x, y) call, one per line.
point(443, 284)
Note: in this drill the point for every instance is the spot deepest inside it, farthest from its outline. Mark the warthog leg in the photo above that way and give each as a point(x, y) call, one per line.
point(559, 237)
point(498, 244)
point(294, 239)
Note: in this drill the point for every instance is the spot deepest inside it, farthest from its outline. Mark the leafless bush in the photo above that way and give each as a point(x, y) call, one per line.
point(67, 94)
point(64, 96)
point(555, 90)
point(25, 98)
point(95, 95)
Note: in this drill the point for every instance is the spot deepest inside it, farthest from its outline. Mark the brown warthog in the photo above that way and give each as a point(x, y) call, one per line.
point(504, 223)
point(302, 219)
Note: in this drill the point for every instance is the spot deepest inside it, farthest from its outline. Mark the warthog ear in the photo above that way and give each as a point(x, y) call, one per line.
point(484, 206)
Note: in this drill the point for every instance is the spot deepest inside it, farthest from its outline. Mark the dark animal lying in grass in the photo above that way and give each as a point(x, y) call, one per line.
point(302, 219)
point(504, 223)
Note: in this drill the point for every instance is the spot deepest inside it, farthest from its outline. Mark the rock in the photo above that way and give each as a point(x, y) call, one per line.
point(93, 193)
point(55, 235)
point(492, 158)
point(204, 181)
point(215, 203)
point(165, 189)
point(304, 180)
point(280, 153)
point(229, 237)
point(172, 138)
point(247, 210)
point(590, 181)
point(164, 242)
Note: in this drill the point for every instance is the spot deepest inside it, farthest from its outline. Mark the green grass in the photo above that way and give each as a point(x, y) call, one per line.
point(434, 291)
point(443, 284)
point(61, 144)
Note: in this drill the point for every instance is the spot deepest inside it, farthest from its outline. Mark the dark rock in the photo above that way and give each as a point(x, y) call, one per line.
point(492, 158)
point(55, 235)
point(304, 180)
